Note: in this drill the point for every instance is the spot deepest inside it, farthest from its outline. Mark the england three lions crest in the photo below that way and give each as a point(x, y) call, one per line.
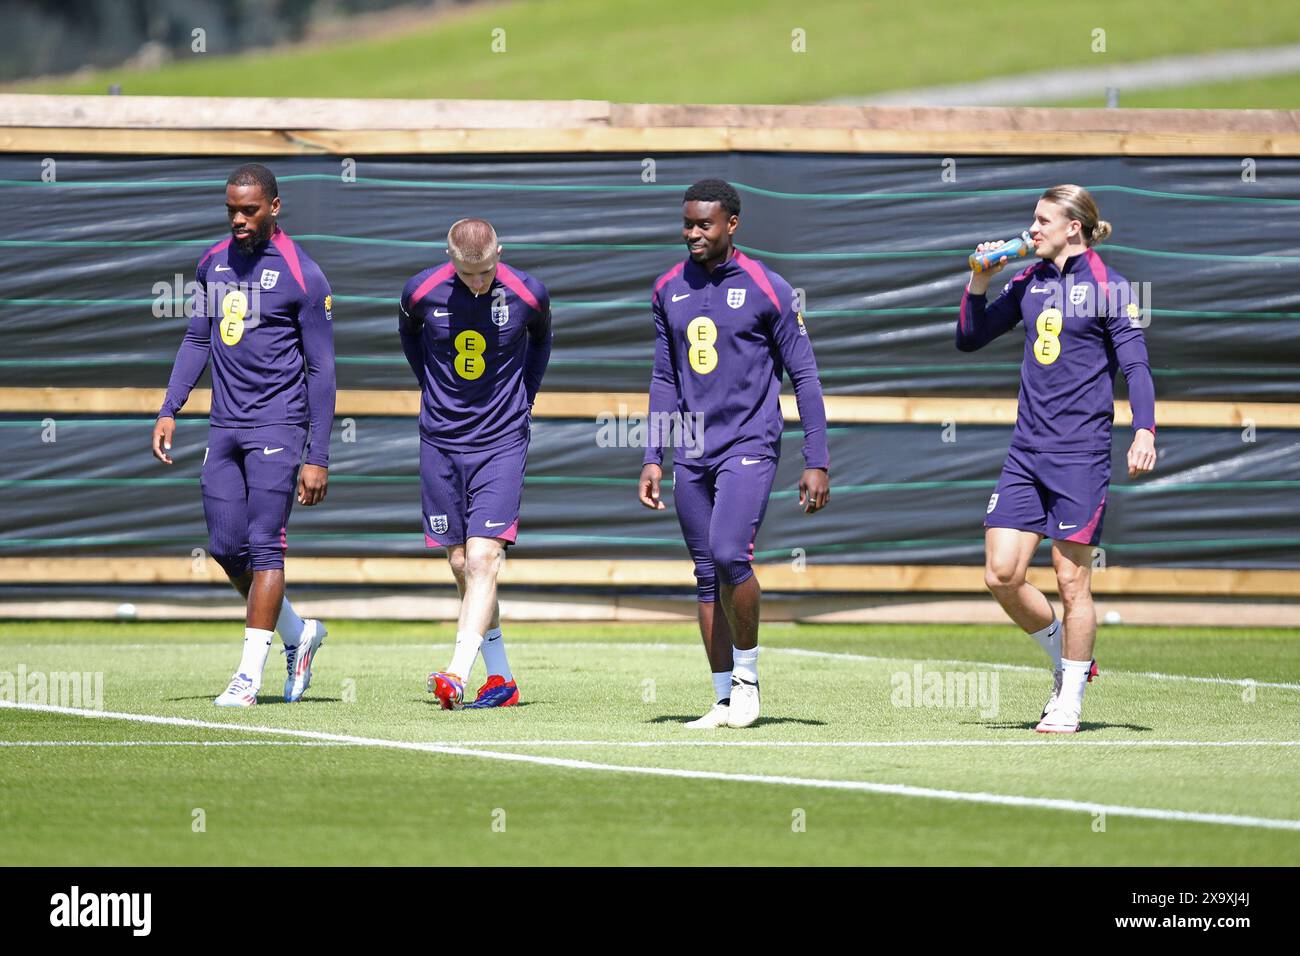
point(438, 524)
point(500, 314)
point(269, 277)
point(735, 298)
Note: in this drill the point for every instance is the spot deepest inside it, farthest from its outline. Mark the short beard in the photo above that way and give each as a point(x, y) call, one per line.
point(254, 240)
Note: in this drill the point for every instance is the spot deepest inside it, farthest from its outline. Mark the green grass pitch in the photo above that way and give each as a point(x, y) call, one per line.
point(836, 772)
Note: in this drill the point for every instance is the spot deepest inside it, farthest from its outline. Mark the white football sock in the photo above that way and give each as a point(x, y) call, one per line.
point(744, 664)
point(1049, 639)
point(289, 625)
point(722, 685)
point(494, 654)
point(1073, 683)
point(462, 659)
point(257, 644)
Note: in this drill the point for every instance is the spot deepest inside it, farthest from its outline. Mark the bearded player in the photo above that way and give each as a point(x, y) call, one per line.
point(477, 335)
point(1081, 325)
point(726, 327)
point(261, 313)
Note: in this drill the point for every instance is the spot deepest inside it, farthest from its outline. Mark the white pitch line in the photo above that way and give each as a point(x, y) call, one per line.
point(860, 786)
point(798, 744)
point(869, 744)
point(170, 743)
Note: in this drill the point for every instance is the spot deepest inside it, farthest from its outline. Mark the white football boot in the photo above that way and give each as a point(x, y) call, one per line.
point(242, 692)
point(298, 660)
point(743, 710)
point(1059, 720)
point(716, 717)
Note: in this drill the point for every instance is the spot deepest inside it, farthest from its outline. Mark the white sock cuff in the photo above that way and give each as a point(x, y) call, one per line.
point(1047, 631)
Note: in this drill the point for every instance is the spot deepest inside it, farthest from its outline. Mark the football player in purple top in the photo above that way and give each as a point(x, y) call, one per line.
point(1081, 325)
point(477, 335)
point(726, 328)
point(262, 314)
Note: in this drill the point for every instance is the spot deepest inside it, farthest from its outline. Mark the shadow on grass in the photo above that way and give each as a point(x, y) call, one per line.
point(1031, 724)
point(686, 718)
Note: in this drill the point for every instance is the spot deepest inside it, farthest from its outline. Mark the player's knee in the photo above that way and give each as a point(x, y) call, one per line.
point(1003, 576)
point(266, 557)
point(233, 556)
point(1074, 584)
point(456, 558)
point(706, 589)
point(482, 563)
point(733, 565)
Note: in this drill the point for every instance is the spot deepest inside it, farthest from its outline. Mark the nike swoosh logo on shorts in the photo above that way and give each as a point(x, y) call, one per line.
point(439, 313)
point(271, 451)
point(684, 295)
point(1065, 527)
point(493, 524)
point(750, 461)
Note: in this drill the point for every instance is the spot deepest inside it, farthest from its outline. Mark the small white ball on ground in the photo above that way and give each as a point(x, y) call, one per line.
point(126, 612)
point(1112, 617)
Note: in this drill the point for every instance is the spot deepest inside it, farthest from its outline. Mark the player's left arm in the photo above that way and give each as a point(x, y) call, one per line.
point(316, 326)
point(791, 337)
point(1126, 337)
point(538, 348)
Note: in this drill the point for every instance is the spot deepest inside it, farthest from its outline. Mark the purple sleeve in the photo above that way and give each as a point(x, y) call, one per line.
point(410, 328)
point(663, 386)
point(316, 326)
point(192, 356)
point(979, 322)
point(797, 355)
point(1131, 353)
point(538, 354)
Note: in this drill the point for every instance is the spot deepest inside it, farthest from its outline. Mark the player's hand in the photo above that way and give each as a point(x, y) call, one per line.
point(979, 281)
point(648, 486)
point(163, 430)
point(1002, 260)
point(814, 490)
point(312, 480)
point(1142, 453)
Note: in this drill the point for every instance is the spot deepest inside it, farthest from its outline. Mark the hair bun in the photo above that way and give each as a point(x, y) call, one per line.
point(1100, 232)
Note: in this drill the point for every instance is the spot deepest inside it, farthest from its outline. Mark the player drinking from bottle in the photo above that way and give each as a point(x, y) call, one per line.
point(726, 327)
point(477, 335)
point(1080, 320)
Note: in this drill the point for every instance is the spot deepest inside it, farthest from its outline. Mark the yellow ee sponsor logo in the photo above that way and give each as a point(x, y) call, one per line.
point(234, 309)
point(470, 346)
point(1047, 347)
point(701, 335)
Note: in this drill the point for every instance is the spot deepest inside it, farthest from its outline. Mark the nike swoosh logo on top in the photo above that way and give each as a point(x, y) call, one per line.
point(1065, 527)
point(750, 461)
point(440, 313)
point(684, 295)
point(271, 451)
point(1038, 288)
point(221, 268)
point(493, 524)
